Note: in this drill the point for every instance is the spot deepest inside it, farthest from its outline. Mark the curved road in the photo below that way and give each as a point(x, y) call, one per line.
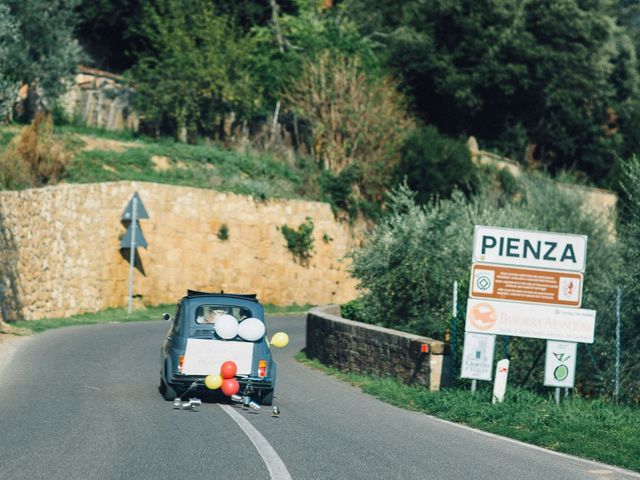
point(82, 403)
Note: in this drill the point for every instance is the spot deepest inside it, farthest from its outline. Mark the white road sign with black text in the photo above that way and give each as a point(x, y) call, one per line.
point(530, 248)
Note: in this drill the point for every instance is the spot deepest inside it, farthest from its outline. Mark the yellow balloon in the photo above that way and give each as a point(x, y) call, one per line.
point(280, 340)
point(213, 381)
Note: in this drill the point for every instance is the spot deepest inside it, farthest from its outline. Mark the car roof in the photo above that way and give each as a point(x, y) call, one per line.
point(247, 296)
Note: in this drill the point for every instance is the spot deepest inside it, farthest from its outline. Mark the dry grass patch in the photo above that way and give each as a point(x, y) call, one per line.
point(34, 157)
point(161, 163)
point(105, 144)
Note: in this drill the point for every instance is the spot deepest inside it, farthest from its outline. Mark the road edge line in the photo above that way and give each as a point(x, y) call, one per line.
point(275, 465)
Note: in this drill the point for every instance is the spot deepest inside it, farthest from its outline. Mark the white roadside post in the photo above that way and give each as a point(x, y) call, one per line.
point(500, 383)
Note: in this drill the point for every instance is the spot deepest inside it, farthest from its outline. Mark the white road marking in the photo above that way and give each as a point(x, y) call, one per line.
point(272, 460)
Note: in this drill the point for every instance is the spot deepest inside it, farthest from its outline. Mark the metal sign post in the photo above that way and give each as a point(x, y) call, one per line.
point(454, 332)
point(132, 252)
point(133, 237)
point(618, 346)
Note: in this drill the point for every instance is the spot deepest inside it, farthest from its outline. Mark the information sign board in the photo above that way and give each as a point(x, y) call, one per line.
point(530, 320)
point(477, 356)
point(525, 285)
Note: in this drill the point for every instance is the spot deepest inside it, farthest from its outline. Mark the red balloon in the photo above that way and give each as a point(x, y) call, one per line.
point(230, 386)
point(228, 369)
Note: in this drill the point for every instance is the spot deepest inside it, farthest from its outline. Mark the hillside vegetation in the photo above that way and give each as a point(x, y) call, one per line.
point(98, 156)
point(374, 101)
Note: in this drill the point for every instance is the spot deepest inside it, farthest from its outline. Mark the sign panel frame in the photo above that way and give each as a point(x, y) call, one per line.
point(560, 364)
point(477, 356)
point(529, 248)
point(530, 320)
point(529, 285)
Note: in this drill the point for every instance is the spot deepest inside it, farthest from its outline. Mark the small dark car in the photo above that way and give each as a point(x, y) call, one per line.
point(209, 329)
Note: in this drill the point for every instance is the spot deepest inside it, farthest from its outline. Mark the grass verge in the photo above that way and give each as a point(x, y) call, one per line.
point(119, 315)
point(294, 309)
point(592, 429)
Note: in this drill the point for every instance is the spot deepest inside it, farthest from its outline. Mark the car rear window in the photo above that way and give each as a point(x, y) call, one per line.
point(208, 314)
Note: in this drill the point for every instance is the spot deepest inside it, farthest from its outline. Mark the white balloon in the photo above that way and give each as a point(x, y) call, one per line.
point(251, 329)
point(226, 327)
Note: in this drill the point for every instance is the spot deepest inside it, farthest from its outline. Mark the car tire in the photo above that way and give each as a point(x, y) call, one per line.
point(168, 393)
point(266, 398)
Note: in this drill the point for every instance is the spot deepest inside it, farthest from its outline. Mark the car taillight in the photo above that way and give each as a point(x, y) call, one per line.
point(262, 368)
point(181, 363)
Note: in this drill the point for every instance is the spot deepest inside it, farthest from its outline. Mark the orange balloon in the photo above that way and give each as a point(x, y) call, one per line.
point(230, 386)
point(228, 369)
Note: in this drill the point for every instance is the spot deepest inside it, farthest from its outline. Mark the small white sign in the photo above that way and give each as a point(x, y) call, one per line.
point(560, 364)
point(569, 289)
point(529, 320)
point(483, 281)
point(205, 357)
point(530, 248)
point(477, 356)
point(500, 385)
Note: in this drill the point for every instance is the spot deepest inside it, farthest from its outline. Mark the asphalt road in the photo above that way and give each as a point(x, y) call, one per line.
point(82, 403)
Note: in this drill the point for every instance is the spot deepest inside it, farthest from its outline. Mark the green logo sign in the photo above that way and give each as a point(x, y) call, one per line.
point(561, 372)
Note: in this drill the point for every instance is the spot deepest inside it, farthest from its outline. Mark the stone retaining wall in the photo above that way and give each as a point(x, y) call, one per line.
point(100, 99)
point(359, 347)
point(60, 249)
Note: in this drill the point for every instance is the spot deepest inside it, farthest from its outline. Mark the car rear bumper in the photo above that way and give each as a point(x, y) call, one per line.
point(183, 382)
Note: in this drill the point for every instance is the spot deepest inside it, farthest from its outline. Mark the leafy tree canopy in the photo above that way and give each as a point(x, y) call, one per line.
point(537, 73)
point(8, 43)
point(46, 53)
point(196, 66)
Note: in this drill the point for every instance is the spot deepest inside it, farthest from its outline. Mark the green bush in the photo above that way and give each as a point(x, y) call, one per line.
point(630, 288)
point(354, 310)
point(338, 189)
point(300, 240)
point(223, 232)
point(435, 165)
point(414, 255)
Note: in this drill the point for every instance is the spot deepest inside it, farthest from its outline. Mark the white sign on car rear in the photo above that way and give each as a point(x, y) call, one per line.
point(205, 357)
point(529, 248)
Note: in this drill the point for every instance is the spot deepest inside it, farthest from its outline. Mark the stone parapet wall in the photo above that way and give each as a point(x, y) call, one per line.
point(359, 347)
point(60, 248)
